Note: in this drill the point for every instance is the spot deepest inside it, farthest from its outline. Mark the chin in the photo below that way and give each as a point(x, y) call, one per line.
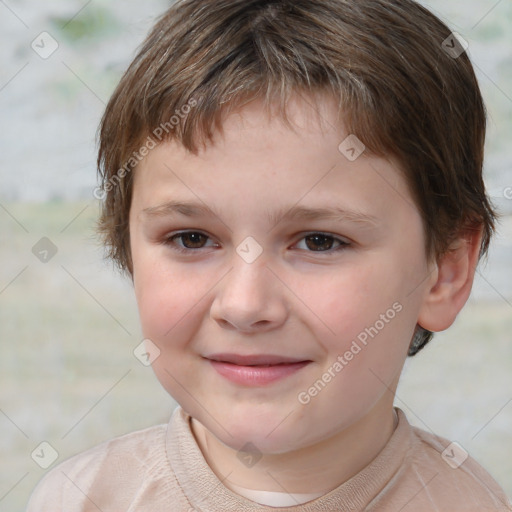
point(265, 430)
point(258, 438)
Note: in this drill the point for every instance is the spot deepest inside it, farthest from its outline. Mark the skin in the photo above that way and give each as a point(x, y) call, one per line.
point(292, 300)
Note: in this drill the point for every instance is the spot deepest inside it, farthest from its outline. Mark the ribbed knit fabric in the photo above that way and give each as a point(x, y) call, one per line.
point(162, 469)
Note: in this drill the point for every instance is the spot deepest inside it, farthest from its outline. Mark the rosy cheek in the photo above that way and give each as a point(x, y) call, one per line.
point(154, 308)
point(167, 311)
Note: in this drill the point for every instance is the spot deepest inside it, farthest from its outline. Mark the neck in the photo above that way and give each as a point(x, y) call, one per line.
point(318, 468)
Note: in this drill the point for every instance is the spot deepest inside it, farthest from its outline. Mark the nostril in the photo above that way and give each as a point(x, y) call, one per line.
point(260, 323)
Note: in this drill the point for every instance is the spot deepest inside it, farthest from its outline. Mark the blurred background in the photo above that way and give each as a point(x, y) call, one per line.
point(68, 322)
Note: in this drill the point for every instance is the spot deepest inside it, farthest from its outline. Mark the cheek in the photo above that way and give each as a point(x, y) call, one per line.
point(165, 297)
point(348, 301)
point(163, 312)
point(169, 316)
point(370, 321)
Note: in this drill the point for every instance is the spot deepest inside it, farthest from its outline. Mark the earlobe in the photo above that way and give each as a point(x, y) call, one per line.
point(450, 289)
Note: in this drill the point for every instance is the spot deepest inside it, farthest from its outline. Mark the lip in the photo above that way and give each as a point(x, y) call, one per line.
point(256, 369)
point(253, 359)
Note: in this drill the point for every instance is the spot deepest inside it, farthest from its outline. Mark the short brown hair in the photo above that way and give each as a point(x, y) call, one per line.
point(388, 62)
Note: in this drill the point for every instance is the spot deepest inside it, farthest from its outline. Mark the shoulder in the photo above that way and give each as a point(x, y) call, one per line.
point(121, 463)
point(446, 470)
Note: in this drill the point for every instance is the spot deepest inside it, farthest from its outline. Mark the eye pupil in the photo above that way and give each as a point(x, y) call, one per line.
point(197, 239)
point(324, 242)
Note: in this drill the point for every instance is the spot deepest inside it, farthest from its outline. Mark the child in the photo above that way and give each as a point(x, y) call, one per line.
point(295, 188)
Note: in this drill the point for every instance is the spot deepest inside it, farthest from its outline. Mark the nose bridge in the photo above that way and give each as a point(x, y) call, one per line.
point(249, 277)
point(249, 297)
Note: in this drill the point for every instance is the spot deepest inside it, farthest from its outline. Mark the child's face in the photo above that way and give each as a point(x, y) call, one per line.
point(292, 301)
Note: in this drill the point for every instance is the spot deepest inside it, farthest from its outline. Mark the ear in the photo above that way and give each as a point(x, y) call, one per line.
point(451, 282)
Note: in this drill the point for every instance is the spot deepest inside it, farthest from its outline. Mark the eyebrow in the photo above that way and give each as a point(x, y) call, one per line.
point(192, 209)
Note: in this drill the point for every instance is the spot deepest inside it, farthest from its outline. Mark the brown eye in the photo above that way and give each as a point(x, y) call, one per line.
point(320, 242)
point(193, 240)
point(187, 241)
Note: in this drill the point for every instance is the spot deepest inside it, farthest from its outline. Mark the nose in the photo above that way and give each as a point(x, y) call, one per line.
point(250, 299)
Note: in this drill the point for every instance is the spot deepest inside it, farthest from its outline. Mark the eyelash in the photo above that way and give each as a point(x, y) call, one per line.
point(170, 241)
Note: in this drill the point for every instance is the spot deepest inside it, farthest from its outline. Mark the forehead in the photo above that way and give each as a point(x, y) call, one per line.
point(258, 161)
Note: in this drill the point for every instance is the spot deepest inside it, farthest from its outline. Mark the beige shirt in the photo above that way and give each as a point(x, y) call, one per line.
point(162, 469)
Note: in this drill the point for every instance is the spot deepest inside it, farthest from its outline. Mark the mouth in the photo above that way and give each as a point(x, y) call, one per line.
point(255, 370)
